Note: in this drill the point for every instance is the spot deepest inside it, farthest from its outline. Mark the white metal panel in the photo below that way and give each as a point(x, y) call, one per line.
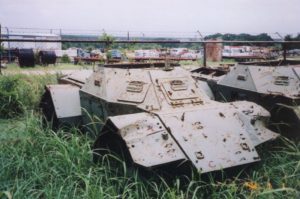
point(149, 143)
point(239, 77)
point(253, 119)
point(265, 80)
point(297, 71)
point(180, 94)
point(81, 75)
point(66, 100)
point(212, 140)
point(135, 97)
point(206, 89)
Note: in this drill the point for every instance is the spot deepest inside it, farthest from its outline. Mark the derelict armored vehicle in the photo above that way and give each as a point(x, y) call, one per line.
point(160, 115)
point(276, 88)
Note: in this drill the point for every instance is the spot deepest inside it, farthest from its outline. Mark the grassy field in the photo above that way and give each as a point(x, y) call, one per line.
point(36, 162)
point(14, 68)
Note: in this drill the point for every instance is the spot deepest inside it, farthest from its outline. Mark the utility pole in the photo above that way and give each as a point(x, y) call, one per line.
point(283, 46)
point(284, 51)
point(204, 54)
point(279, 35)
point(8, 43)
point(201, 36)
point(204, 48)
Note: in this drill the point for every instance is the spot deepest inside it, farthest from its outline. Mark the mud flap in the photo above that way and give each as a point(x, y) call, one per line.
point(61, 103)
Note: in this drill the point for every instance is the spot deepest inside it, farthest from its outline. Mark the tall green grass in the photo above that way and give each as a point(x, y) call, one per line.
point(47, 164)
point(13, 68)
point(19, 93)
point(36, 162)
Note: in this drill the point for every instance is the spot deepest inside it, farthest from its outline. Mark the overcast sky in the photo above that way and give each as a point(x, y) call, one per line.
point(207, 16)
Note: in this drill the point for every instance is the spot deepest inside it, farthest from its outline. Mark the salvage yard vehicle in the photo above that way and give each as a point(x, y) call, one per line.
point(276, 88)
point(158, 114)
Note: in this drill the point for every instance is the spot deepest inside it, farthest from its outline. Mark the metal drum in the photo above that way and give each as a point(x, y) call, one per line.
point(26, 58)
point(47, 57)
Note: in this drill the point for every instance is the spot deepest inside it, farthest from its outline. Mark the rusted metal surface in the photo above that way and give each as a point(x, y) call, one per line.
point(244, 57)
point(204, 54)
point(273, 63)
point(162, 115)
point(164, 58)
point(248, 52)
point(209, 146)
point(277, 81)
point(88, 59)
point(177, 119)
point(149, 142)
point(258, 117)
point(129, 65)
point(209, 74)
point(275, 88)
point(218, 42)
point(281, 80)
point(214, 51)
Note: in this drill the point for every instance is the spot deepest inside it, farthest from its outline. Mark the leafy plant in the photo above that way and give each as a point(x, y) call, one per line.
point(108, 39)
point(65, 59)
point(47, 164)
point(19, 93)
point(36, 162)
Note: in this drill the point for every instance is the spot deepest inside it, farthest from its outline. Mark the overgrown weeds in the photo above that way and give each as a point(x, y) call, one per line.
point(47, 164)
point(36, 162)
point(19, 93)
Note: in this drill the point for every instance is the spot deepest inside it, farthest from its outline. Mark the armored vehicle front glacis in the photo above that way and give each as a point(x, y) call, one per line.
point(160, 115)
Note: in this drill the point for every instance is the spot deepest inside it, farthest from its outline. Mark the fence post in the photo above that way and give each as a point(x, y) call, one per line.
point(204, 54)
point(284, 52)
point(0, 52)
point(8, 45)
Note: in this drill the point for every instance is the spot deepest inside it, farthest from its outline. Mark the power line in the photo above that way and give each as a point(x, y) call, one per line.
point(145, 41)
point(122, 33)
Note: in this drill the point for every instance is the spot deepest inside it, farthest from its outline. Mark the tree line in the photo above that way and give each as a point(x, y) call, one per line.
point(226, 37)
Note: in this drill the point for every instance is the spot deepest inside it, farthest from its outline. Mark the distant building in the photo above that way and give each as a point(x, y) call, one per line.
point(71, 52)
point(34, 45)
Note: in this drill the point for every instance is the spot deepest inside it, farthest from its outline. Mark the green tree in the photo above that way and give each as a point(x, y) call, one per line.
point(240, 37)
point(290, 38)
point(65, 59)
point(109, 41)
